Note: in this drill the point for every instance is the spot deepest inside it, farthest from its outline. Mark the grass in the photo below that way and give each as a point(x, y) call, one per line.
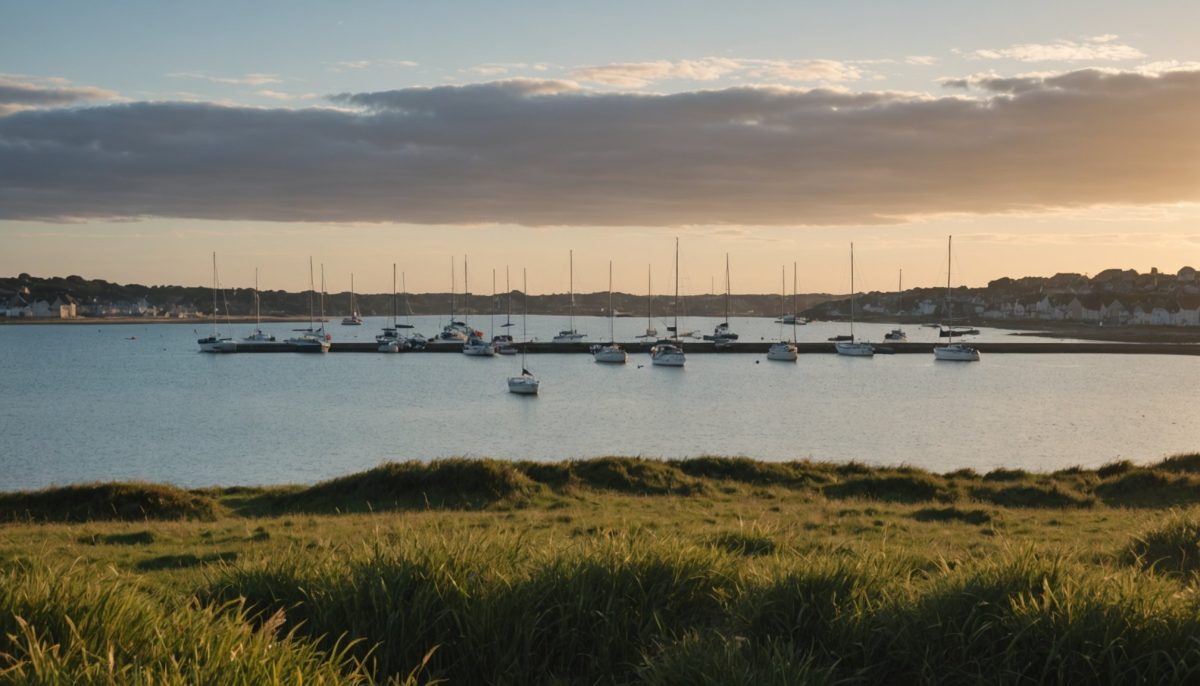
point(618, 571)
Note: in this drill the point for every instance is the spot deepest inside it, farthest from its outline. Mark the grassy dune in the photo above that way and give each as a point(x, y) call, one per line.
point(614, 570)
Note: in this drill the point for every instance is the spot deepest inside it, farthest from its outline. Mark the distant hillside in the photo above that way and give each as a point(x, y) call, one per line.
point(93, 296)
point(1113, 296)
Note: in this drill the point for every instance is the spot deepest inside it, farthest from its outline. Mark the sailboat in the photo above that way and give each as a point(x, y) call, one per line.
point(651, 332)
point(258, 336)
point(953, 352)
point(389, 340)
point(508, 287)
point(852, 347)
point(897, 334)
point(670, 353)
point(355, 319)
point(785, 351)
point(312, 339)
point(526, 383)
point(475, 345)
point(570, 335)
point(721, 335)
point(455, 330)
point(610, 352)
point(503, 343)
point(216, 343)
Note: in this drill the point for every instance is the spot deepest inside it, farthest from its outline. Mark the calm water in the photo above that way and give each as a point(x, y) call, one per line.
point(85, 403)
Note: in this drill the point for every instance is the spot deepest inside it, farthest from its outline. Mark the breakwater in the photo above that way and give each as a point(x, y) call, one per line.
point(760, 347)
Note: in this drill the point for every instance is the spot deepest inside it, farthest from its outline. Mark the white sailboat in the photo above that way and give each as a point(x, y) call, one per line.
point(610, 353)
point(852, 347)
point(216, 343)
point(651, 332)
point(953, 352)
point(722, 336)
point(526, 383)
point(312, 339)
point(786, 351)
point(389, 340)
point(503, 343)
point(355, 319)
point(664, 353)
point(897, 334)
point(508, 314)
point(475, 345)
point(455, 330)
point(258, 337)
point(570, 335)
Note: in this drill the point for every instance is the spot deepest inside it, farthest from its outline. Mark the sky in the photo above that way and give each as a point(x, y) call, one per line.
point(136, 138)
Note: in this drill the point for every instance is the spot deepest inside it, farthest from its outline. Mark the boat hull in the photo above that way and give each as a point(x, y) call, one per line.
point(956, 353)
point(851, 349)
point(523, 385)
point(782, 353)
point(217, 345)
point(611, 355)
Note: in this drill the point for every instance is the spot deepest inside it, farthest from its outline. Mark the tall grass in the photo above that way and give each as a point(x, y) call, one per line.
point(59, 627)
point(629, 609)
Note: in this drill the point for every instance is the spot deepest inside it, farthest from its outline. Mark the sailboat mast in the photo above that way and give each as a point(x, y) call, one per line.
point(407, 305)
point(492, 316)
point(649, 301)
point(312, 291)
point(794, 311)
point(352, 308)
point(676, 288)
point(322, 297)
point(611, 336)
point(453, 286)
point(571, 289)
point(214, 293)
point(726, 288)
point(508, 287)
point(851, 292)
point(466, 293)
point(257, 309)
point(393, 295)
point(949, 309)
point(524, 315)
point(782, 293)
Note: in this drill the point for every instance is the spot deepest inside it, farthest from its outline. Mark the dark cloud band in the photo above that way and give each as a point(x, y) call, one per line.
point(546, 152)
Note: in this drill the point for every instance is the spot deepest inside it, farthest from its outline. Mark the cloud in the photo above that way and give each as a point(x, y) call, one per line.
point(500, 68)
point(545, 152)
point(641, 74)
point(1097, 48)
point(280, 95)
point(922, 60)
point(19, 92)
point(243, 80)
point(359, 65)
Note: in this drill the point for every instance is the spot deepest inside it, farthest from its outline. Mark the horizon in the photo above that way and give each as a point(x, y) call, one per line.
point(362, 136)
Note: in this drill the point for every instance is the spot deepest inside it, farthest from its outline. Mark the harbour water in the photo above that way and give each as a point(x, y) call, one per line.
point(100, 402)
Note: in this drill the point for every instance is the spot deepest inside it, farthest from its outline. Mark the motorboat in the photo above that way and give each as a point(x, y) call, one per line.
point(503, 343)
point(896, 335)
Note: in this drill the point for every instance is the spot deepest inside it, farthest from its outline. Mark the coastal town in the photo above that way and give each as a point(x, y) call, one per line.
point(1113, 297)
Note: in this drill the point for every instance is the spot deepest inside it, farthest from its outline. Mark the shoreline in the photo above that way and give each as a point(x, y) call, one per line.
point(1062, 330)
